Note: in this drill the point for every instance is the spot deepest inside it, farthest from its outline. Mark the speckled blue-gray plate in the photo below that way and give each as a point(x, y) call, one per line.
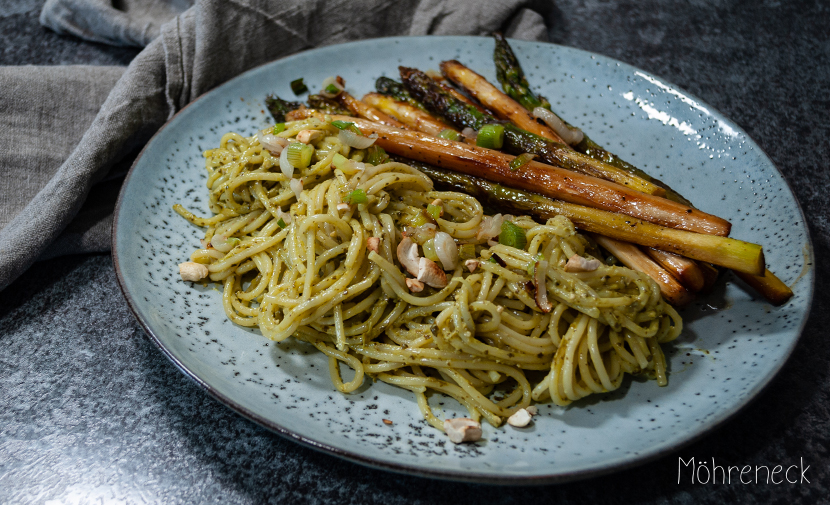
point(733, 342)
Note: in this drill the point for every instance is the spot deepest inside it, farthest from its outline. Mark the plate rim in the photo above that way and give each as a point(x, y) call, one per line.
point(456, 475)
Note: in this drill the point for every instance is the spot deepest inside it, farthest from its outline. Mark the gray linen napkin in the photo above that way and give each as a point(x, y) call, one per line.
point(68, 133)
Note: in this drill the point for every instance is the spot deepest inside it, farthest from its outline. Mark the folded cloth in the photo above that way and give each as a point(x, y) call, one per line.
point(69, 131)
point(132, 23)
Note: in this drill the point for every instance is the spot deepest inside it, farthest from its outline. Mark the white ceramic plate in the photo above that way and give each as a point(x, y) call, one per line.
point(732, 346)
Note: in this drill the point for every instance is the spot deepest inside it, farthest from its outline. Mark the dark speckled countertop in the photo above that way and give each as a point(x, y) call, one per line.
point(92, 412)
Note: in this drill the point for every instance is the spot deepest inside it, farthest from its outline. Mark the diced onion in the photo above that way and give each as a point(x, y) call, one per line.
point(271, 142)
point(490, 227)
point(446, 250)
point(286, 167)
point(297, 187)
point(422, 233)
point(571, 136)
point(356, 141)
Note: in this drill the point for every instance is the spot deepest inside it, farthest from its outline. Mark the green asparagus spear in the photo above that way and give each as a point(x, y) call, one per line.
point(387, 86)
point(515, 85)
point(436, 99)
point(512, 78)
point(516, 140)
point(279, 107)
point(722, 251)
point(327, 105)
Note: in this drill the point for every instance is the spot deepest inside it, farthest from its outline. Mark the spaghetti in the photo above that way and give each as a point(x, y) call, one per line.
point(313, 255)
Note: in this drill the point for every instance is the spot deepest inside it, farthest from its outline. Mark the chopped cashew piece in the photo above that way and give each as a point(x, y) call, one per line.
point(519, 419)
point(577, 263)
point(532, 410)
point(373, 244)
point(309, 136)
point(472, 265)
point(191, 271)
point(462, 429)
point(343, 206)
point(431, 274)
point(408, 256)
point(414, 285)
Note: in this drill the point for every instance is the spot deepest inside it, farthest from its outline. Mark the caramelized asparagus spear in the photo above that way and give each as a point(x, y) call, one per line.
point(551, 181)
point(327, 105)
point(408, 114)
point(635, 259)
point(687, 271)
point(512, 78)
point(493, 99)
point(365, 110)
point(722, 251)
point(516, 140)
point(678, 266)
point(682, 268)
point(770, 286)
point(390, 87)
point(514, 83)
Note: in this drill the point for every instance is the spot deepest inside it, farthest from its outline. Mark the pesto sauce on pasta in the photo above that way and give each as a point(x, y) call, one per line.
point(296, 263)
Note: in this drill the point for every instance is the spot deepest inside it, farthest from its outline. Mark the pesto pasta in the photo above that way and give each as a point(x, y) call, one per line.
point(313, 239)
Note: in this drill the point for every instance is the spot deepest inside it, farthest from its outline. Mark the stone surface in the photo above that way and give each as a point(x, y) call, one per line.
point(91, 412)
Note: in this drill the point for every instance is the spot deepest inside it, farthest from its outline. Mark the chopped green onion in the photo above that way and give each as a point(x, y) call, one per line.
point(521, 160)
point(450, 134)
point(332, 89)
point(467, 251)
point(491, 136)
point(512, 235)
point(429, 250)
point(341, 125)
point(278, 128)
point(281, 223)
point(299, 154)
point(357, 196)
point(298, 87)
point(346, 125)
point(376, 155)
point(435, 211)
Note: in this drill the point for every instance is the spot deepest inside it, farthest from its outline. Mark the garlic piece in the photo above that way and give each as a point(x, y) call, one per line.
point(193, 272)
point(462, 429)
